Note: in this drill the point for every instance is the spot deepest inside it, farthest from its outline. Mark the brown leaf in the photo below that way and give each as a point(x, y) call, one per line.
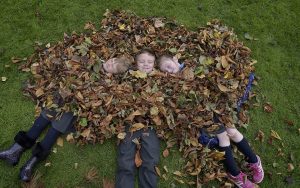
point(86, 133)
point(133, 114)
point(108, 183)
point(39, 92)
point(91, 175)
point(121, 136)
point(260, 136)
point(290, 167)
point(157, 171)
point(166, 153)
point(223, 88)
point(268, 108)
point(138, 161)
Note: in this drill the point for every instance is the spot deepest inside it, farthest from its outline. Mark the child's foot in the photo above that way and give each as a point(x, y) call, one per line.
point(257, 170)
point(241, 181)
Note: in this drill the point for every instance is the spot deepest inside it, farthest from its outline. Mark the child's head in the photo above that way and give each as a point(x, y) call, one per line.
point(116, 65)
point(169, 64)
point(145, 61)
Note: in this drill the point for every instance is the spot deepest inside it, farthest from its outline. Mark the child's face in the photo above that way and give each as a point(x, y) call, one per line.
point(110, 66)
point(169, 65)
point(145, 62)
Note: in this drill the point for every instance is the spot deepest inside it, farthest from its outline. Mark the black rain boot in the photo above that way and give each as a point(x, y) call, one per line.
point(27, 170)
point(13, 154)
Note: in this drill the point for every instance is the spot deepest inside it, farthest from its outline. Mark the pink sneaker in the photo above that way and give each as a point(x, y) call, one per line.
point(241, 181)
point(257, 171)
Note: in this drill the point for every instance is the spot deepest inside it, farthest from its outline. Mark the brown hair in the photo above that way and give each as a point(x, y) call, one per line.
point(145, 51)
point(165, 56)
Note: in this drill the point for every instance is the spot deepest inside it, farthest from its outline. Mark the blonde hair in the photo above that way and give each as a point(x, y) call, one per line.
point(161, 58)
point(122, 64)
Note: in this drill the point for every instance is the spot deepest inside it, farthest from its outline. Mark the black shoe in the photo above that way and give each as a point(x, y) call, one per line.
point(13, 154)
point(27, 170)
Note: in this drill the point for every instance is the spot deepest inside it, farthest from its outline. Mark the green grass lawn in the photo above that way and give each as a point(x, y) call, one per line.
point(275, 23)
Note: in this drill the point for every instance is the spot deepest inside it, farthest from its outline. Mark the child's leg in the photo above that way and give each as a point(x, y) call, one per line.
point(24, 140)
point(150, 152)
point(126, 165)
point(39, 153)
point(229, 162)
point(37, 128)
point(242, 144)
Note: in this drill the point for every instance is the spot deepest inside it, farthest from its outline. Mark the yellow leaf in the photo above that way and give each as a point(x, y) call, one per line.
point(194, 142)
point(138, 74)
point(136, 127)
point(60, 142)
point(274, 134)
point(121, 136)
point(70, 137)
point(122, 26)
point(154, 111)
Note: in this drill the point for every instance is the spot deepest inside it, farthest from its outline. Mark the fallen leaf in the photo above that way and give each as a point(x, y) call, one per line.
point(154, 111)
point(166, 153)
point(274, 134)
point(178, 173)
point(83, 122)
point(138, 74)
point(108, 183)
point(75, 165)
point(138, 161)
point(268, 108)
point(223, 88)
point(60, 142)
point(3, 79)
point(70, 137)
point(91, 175)
point(157, 171)
point(47, 164)
point(166, 169)
point(86, 133)
point(121, 136)
point(158, 23)
point(290, 167)
point(260, 136)
point(39, 92)
point(136, 127)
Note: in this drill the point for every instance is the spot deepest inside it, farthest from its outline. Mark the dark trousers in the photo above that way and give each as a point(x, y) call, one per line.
point(150, 151)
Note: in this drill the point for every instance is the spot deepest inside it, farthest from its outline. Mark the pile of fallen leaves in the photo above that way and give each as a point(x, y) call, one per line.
point(68, 76)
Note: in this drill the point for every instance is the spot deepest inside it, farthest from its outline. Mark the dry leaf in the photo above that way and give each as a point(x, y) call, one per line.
point(136, 127)
point(274, 134)
point(166, 153)
point(60, 142)
point(268, 108)
point(121, 136)
point(138, 161)
point(3, 79)
point(91, 175)
point(157, 171)
point(108, 183)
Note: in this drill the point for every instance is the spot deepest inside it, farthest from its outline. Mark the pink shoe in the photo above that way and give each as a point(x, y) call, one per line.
point(257, 170)
point(241, 181)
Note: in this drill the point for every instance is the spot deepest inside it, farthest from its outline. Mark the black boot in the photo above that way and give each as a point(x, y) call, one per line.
point(13, 154)
point(38, 154)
